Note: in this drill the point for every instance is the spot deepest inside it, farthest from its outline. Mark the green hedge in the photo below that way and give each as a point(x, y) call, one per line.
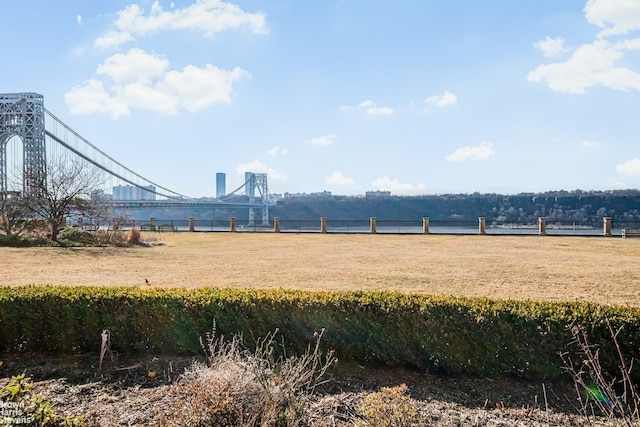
point(442, 334)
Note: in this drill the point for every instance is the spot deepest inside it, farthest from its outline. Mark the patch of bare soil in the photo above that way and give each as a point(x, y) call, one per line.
point(143, 392)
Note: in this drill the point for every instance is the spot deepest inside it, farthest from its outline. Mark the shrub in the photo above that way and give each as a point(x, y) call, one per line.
point(440, 334)
point(21, 406)
point(133, 236)
point(600, 391)
point(239, 387)
point(390, 407)
point(15, 240)
point(73, 236)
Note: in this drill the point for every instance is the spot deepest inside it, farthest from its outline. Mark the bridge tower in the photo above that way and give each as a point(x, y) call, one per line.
point(258, 181)
point(22, 115)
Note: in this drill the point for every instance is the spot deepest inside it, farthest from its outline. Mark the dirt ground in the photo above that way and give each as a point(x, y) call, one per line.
point(124, 395)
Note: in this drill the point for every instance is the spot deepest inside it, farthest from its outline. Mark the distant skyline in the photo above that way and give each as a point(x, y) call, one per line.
point(412, 97)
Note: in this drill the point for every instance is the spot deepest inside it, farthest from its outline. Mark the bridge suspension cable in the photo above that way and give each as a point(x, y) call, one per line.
point(78, 145)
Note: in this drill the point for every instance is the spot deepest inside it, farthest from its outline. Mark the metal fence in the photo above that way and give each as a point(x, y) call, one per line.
point(382, 226)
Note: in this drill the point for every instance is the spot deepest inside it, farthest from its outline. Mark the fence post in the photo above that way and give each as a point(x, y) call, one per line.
point(323, 224)
point(481, 225)
point(276, 224)
point(192, 224)
point(233, 224)
point(372, 224)
point(425, 225)
point(152, 224)
point(542, 226)
point(607, 226)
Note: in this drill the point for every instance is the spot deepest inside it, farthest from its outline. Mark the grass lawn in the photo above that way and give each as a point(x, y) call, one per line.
point(595, 269)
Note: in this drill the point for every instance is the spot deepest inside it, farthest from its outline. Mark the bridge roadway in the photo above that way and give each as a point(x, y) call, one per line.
point(184, 204)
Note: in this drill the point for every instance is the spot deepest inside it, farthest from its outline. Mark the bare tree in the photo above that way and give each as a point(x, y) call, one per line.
point(65, 189)
point(13, 213)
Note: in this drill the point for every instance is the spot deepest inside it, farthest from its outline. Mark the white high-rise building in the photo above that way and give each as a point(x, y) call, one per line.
point(221, 184)
point(130, 192)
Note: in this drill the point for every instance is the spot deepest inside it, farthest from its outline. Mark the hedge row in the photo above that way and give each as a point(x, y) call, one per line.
point(443, 334)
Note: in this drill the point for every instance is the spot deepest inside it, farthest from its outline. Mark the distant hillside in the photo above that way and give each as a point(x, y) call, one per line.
point(576, 206)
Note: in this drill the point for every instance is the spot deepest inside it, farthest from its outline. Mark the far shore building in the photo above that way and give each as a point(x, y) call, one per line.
point(131, 192)
point(377, 194)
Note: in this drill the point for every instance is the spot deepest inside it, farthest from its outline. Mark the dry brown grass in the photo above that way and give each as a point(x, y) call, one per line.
point(540, 268)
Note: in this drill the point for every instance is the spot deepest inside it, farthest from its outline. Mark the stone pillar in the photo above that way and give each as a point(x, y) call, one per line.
point(152, 224)
point(372, 224)
point(482, 225)
point(607, 226)
point(542, 226)
point(276, 224)
point(323, 224)
point(425, 225)
point(192, 224)
point(233, 224)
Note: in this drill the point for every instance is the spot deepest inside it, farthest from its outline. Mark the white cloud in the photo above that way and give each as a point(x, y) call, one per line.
point(618, 185)
point(590, 64)
point(337, 178)
point(205, 16)
point(595, 63)
point(589, 144)
point(91, 97)
point(551, 47)
point(614, 16)
point(277, 149)
point(79, 19)
point(447, 98)
point(371, 108)
point(322, 140)
point(396, 187)
point(368, 107)
point(257, 166)
point(198, 88)
point(479, 152)
point(273, 151)
point(144, 81)
point(144, 97)
point(113, 39)
point(134, 66)
point(629, 168)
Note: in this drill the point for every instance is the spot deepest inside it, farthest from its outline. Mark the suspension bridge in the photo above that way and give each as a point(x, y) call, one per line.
point(45, 138)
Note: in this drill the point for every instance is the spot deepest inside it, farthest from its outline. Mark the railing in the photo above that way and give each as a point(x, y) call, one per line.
point(375, 226)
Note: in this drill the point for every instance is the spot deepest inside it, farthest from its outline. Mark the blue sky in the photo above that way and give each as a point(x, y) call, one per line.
point(414, 97)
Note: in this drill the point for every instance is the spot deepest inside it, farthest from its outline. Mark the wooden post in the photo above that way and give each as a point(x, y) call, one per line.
point(233, 224)
point(192, 224)
point(425, 225)
point(482, 225)
point(323, 224)
point(276, 224)
point(607, 226)
point(152, 224)
point(542, 226)
point(372, 225)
